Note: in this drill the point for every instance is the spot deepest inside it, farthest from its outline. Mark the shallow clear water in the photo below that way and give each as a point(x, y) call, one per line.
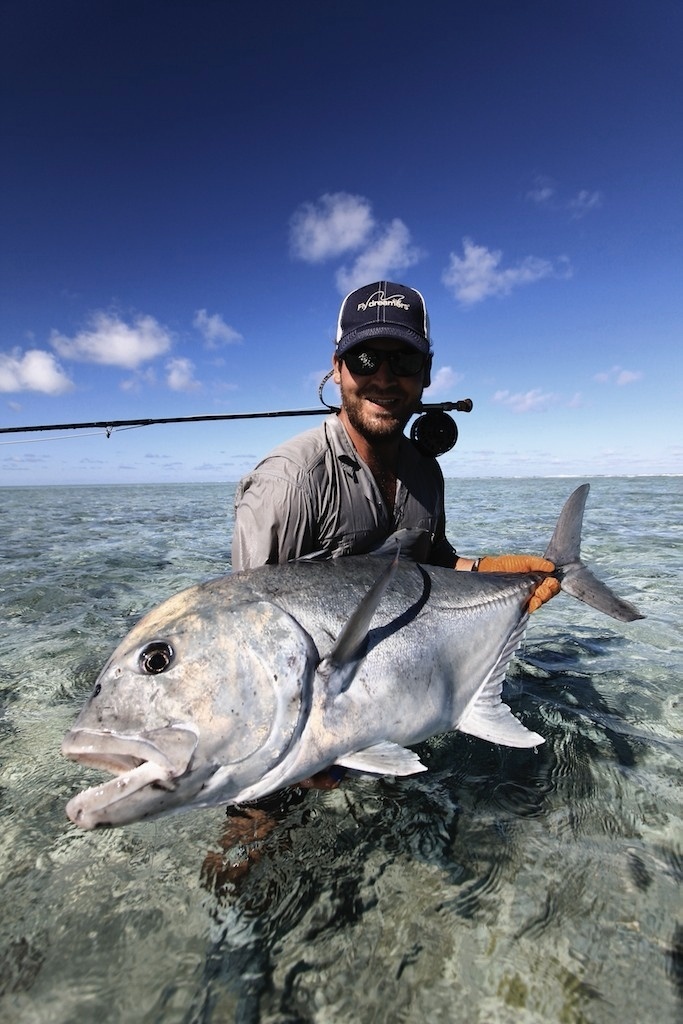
point(501, 886)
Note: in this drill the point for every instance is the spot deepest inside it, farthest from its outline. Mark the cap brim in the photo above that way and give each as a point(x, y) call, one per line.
point(391, 331)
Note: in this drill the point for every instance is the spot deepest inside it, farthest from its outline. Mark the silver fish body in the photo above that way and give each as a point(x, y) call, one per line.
point(251, 682)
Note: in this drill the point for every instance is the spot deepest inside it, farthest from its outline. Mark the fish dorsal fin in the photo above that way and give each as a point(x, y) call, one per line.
point(487, 717)
point(385, 758)
point(339, 666)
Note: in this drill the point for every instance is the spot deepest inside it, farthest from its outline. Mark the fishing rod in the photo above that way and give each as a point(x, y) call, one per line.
point(431, 431)
point(111, 425)
point(464, 405)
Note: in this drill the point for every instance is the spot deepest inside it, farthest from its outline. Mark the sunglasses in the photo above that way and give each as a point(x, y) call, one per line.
point(363, 362)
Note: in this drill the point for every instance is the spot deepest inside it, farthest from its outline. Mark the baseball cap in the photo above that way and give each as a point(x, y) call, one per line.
point(383, 310)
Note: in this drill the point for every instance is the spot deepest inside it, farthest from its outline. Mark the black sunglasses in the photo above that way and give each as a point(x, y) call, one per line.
point(363, 362)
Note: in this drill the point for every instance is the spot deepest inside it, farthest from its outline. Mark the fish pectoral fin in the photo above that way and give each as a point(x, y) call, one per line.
point(497, 724)
point(352, 637)
point(384, 758)
point(338, 668)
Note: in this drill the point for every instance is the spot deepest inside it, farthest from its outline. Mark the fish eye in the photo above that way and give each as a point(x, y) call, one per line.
point(156, 657)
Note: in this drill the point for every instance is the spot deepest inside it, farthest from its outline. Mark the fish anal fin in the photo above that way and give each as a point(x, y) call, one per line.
point(497, 724)
point(487, 717)
point(385, 758)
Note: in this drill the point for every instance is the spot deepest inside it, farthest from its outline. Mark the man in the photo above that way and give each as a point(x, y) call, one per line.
point(345, 486)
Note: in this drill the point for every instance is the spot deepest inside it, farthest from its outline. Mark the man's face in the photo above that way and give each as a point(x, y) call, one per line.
point(379, 406)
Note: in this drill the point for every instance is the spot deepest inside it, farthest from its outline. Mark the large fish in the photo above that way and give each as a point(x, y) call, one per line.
point(251, 682)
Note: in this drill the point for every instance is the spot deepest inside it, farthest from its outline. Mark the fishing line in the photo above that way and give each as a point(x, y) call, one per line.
point(107, 432)
point(62, 437)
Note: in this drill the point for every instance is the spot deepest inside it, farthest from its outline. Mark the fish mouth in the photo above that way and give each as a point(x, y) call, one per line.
point(141, 765)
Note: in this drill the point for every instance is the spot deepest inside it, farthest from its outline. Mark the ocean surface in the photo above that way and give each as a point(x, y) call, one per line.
point(500, 886)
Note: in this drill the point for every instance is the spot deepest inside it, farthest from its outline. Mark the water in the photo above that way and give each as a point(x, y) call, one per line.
point(501, 886)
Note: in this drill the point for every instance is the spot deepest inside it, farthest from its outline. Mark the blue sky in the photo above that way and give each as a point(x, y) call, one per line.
point(190, 186)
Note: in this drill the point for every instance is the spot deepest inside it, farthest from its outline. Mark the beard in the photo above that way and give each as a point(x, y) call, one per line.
point(378, 415)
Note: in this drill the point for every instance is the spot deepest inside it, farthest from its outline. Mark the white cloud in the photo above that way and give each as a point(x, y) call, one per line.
point(477, 274)
point(180, 375)
point(618, 376)
point(341, 223)
point(336, 224)
point(628, 377)
point(141, 380)
point(444, 380)
point(112, 342)
point(584, 202)
point(528, 401)
point(544, 193)
point(214, 329)
point(35, 370)
point(390, 251)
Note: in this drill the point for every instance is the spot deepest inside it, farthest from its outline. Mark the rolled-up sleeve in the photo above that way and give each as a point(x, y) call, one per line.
point(273, 518)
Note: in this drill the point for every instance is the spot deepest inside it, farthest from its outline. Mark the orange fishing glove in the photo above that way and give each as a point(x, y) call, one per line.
point(546, 589)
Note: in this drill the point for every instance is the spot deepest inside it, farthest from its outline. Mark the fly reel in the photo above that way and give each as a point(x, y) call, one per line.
point(435, 432)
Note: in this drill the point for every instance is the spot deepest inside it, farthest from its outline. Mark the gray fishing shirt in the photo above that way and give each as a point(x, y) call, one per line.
point(314, 494)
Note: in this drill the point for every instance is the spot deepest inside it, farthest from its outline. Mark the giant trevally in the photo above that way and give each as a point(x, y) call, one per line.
point(254, 681)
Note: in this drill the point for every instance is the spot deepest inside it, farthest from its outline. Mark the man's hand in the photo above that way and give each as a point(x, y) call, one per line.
point(328, 778)
point(546, 589)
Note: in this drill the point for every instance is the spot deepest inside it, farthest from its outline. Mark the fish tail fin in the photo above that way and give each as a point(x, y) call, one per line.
point(575, 578)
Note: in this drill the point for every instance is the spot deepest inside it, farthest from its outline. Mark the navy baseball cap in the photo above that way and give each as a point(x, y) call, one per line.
point(383, 310)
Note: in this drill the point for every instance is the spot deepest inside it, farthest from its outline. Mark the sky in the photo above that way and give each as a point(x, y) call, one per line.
point(189, 188)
